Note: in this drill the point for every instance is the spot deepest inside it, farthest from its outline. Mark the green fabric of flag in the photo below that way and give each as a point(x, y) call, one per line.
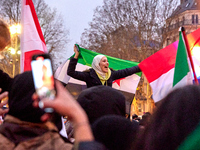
point(181, 65)
point(192, 142)
point(86, 57)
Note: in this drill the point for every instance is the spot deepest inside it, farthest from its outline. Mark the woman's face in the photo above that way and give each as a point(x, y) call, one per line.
point(104, 64)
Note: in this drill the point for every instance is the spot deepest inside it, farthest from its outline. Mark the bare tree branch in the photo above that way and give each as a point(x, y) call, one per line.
point(52, 24)
point(128, 29)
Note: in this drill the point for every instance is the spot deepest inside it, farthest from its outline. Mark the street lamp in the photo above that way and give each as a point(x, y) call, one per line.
point(12, 50)
point(15, 30)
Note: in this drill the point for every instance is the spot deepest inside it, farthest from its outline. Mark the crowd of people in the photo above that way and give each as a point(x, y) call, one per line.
point(97, 117)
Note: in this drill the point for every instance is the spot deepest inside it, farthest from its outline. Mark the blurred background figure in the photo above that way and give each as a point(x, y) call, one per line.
point(4, 35)
point(134, 116)
point(145, 119)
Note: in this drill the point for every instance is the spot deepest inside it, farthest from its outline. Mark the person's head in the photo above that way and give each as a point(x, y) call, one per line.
point(134, 116)
point(177, 115)
point(115, 132)
point(20, 99)
point(101, 100)
point(4, 35)
point(145, 119)
point(147, 113)
point(100, 63)
point(137, 119)
point(21, 104)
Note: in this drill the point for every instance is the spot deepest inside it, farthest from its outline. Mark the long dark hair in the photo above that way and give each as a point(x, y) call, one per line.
point(176, 117)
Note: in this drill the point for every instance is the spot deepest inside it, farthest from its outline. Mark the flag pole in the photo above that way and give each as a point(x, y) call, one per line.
point(189, 55)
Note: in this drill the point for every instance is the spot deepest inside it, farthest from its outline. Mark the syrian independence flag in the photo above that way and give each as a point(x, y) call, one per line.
point(128, 84)
point(32, 40)
point(159, 67)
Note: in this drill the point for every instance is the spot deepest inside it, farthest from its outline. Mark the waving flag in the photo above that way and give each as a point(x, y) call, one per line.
point(32, 40)
point(182, 74)
point(128, 84)
point(159, 68)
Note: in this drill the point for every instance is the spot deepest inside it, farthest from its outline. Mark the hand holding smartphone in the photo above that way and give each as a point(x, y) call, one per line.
point(43, 77)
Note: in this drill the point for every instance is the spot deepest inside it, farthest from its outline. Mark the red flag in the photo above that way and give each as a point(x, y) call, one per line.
point(32, 40)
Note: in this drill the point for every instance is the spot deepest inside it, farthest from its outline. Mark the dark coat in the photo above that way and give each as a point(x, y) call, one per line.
point(5, 81)
point(19, 135)
point(91, 78)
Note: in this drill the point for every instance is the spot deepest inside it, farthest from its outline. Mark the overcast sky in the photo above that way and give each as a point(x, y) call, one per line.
point(76, 14)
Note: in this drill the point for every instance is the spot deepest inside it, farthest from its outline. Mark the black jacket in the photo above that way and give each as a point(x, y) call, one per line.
point(91, 78)
point(5, 81)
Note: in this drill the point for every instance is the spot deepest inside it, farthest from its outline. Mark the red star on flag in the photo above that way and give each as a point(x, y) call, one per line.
point(118, 81)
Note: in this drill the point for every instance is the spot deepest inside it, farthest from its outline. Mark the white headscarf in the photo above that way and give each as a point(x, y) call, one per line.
point(96, 67)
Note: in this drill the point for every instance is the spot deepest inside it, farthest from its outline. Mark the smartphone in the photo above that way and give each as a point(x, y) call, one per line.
point(43, 77)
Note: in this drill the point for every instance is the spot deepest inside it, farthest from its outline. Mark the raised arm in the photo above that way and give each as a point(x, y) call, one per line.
point(125, 72)
point(72, 66)
point(76, 52)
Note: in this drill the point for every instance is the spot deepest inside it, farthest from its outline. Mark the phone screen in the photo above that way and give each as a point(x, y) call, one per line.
point(43, 76)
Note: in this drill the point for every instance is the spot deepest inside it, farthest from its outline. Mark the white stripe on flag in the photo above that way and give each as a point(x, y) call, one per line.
point(31, 38)
point(162, 85)
point(184, 81)
point(132, 80)
point(61, 72)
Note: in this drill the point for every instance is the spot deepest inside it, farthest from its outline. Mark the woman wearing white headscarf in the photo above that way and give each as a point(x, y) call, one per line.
point(100, 73)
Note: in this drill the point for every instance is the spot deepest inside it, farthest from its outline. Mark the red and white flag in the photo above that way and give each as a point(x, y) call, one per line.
point(159, 67)
point(32, 40)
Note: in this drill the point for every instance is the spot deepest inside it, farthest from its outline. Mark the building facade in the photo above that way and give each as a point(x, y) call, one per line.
point(186, 15)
